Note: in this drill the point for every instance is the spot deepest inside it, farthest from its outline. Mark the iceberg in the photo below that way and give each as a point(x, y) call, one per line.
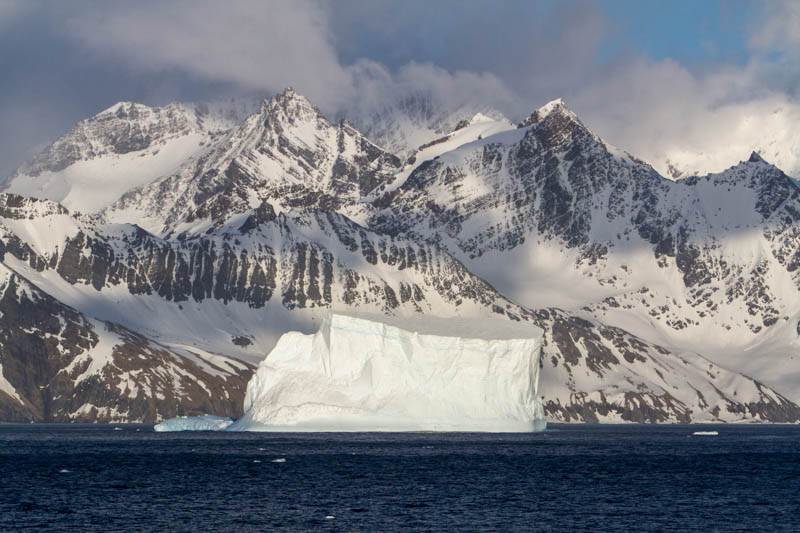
point(194, 423)
point(363, 373)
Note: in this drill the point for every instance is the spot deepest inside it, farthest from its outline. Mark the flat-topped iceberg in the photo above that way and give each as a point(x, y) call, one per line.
point(360, 373)
point(194, 423)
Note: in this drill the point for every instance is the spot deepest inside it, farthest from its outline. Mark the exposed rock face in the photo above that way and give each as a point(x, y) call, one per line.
point(267, 256)
point(59, 366)
point(648, 290)
point(602, 373)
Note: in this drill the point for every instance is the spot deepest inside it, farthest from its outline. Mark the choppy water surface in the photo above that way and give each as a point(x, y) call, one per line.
point(570, 478)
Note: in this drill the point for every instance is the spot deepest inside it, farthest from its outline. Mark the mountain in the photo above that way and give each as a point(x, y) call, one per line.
point(58, 364)
point(769, 132)
point(126, 145)
point(285, 216)
point(232, 292)
point(555, 216)
point(287, 153)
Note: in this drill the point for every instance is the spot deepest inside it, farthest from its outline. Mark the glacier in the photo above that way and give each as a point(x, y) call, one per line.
point(194, 423)
point(374, 373)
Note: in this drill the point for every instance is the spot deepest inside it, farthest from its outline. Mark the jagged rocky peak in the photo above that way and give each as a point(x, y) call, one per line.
point(556, 127)
point(554, 107)
point(289, 106)
point(122, 147)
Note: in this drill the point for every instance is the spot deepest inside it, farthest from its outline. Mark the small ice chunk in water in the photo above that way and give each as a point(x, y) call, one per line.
point(279, 460)
point(64, 471)
point(117, 428)
point(329, 517)
point(256, 461)
point(706, 433)
point(194, 423)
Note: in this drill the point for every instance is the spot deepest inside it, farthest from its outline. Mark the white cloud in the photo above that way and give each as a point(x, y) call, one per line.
point(256, 44)
point(267, 45)
point(698, 122)
point(780, 27)
point(11, 10)
point(702, 119)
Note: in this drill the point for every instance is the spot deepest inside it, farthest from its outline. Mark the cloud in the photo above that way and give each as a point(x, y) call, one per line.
point(11, 11)
point(663, 113)
point(779, 28)
point(271, 45)
point(262, 45)
point(705, 120)
point(355, 56)
point(537, 49)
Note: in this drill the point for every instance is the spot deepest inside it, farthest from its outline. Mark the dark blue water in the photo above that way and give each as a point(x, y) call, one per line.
point(571, 478)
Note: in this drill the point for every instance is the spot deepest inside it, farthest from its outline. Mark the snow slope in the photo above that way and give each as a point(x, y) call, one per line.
point(120, 148)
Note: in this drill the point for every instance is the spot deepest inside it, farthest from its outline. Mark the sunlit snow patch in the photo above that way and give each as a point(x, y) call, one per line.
point(194, 423)
point(360, 373)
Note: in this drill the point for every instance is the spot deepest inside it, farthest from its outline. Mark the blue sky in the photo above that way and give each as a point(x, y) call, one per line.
point(613, 60)
point(695, 31)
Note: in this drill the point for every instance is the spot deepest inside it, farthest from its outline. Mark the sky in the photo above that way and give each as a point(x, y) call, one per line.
point(664, 80)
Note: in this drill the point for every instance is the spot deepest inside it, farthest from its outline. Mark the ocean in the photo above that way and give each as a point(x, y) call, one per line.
point(569, 478)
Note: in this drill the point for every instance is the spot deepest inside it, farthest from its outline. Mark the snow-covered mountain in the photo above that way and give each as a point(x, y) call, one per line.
point(555, 216)
point(287, 153)
point(126, 145)
point(59, 364)
point(275, 221)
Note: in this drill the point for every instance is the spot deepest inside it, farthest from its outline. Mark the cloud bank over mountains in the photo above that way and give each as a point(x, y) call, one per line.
point(353, 55)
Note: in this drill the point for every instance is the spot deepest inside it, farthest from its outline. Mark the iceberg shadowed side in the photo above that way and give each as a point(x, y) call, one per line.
point(362, 373)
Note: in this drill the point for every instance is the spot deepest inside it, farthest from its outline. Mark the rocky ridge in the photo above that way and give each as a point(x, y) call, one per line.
point(287, 153)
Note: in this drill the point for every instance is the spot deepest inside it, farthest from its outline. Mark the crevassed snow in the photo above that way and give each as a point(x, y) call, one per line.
point(194, 423)
point(360, 373)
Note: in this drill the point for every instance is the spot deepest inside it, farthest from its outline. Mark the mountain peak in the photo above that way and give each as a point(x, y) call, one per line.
point(557, 106)
point(291, 105)
point(755, 158)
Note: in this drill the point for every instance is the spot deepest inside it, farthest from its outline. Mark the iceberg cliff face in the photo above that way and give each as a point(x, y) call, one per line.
point(362, 374)
point(194, 423)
